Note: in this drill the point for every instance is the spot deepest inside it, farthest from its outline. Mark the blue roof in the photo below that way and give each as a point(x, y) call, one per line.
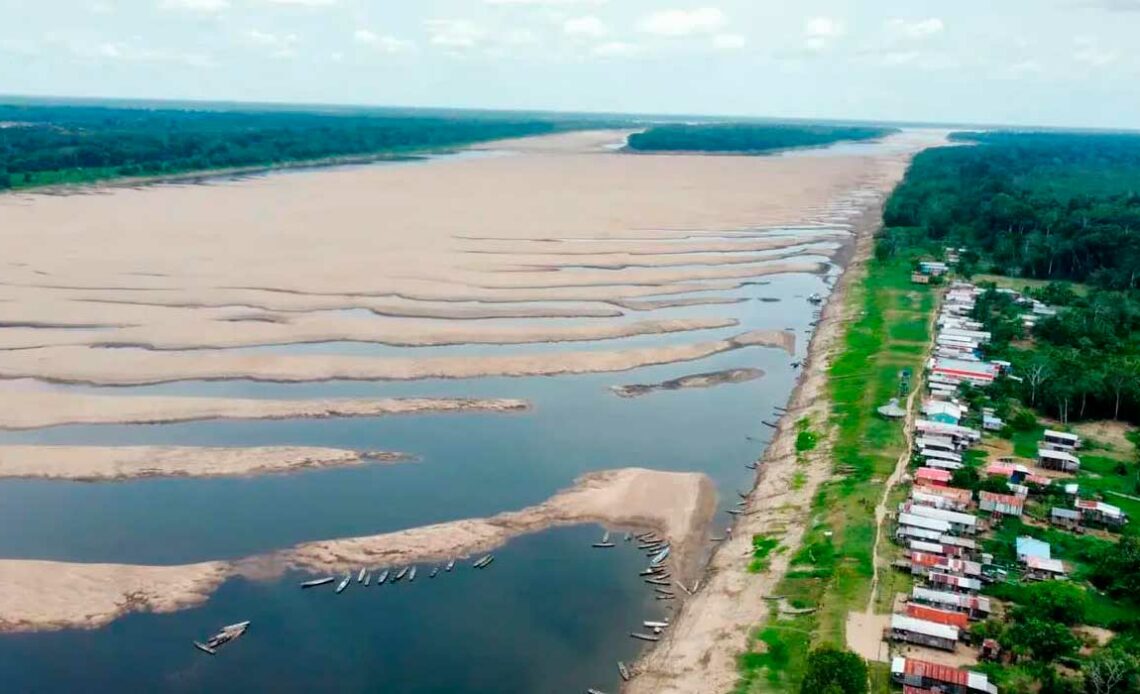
point(1032, 547)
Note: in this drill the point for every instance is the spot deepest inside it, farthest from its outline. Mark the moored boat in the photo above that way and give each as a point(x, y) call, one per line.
point(623, 671)
point(412, 574)
point(382, 577)
point(343, 583)
point(450, 565)
point(318, 582)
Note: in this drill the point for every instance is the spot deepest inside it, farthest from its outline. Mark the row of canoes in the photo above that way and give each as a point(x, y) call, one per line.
point(386, 576)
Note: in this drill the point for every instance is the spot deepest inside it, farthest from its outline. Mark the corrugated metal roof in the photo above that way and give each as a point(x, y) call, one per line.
point(902, 622)
point(1052, 434)
point(1032, 547)
point(932, 671)
point(941, 514)
point(1058, 512)
point(933, 614)
point(925, 523)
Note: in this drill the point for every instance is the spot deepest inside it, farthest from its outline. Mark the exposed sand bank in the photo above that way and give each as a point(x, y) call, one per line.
point(705, 380)
point(45, 595)
point(48, 595)
point(106, 463)
point(53, 408)
point(126, 366)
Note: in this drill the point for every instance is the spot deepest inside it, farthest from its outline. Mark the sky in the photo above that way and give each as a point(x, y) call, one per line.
point(1025, 62)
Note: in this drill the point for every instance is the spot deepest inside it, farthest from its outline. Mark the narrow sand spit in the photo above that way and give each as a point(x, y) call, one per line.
point(705, 380)
point(698, 654)
point(198, 329)
point(53, 408)
point(43, 595)
point(138, 367)
point(106, 463)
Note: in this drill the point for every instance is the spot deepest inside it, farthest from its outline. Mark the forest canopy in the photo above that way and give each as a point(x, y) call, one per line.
point(43, 144)
point(746, 138)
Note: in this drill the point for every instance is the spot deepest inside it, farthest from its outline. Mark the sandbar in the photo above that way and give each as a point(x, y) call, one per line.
point(703, 380)
point(112, 463)
point(54, 408)
point(50, 595)
point(125, 366)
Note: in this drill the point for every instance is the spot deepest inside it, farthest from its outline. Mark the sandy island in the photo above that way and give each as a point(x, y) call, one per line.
point(47, 595)
point(107, 463)
point(704, 380)
point(54, 408)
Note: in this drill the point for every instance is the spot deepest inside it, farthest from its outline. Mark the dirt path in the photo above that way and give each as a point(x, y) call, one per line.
point(902, 462)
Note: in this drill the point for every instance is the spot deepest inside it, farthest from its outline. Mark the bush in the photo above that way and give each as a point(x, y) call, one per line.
point(830, 669)
point(1024, 420)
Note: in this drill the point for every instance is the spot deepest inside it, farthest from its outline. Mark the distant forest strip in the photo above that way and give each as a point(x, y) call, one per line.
point(746, 138)
point(1050, 206)
point(1058, 207)
point(60, 144)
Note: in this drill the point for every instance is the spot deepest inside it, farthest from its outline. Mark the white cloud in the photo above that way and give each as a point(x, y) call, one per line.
point(545, 2)
point(277, 45)
point(101, 7)
point(1087, 50)
point(588, 26)
point(701, 20)
point(455, 33)
point(131, 52)
point(616, 49)
point(729, 42)
point(819, 32)
point(301, 3)
point(916, 29)
point(381, 43)
point(206, 6)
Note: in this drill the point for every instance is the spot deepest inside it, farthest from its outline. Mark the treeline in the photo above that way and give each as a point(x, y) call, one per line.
point(746, 138)
point(1049, 206)
point(1040, 205)
point(46, 144)
point(1083, 363)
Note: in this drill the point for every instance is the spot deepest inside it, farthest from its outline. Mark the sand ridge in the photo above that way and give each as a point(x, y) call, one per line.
point(125, 366)
point(40, 408)
point(111, 463)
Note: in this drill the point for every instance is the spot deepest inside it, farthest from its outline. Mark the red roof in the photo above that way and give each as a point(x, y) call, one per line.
point(936, 672)
point(932, 474)
point(924, 559)
point(931, 614)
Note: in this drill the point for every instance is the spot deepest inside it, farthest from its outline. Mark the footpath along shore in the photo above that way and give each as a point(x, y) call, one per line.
point(699, 653)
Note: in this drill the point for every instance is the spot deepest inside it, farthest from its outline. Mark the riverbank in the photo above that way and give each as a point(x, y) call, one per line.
point(700, 651)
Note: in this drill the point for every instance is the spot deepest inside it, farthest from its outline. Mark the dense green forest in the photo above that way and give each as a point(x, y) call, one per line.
point(1046, 206)
point(1051, 206)
point(746, 138)
point(47, 144)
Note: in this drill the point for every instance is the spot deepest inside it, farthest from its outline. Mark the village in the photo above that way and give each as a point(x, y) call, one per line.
point(943, 527)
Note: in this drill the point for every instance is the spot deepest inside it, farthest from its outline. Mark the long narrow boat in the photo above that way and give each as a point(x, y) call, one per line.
point(606, 536)
point(645, 637)
point(412, 575)
point(367, 579)
point(450, 565)
point(318, 582)
point(591, 690)
point(484, 561)
point(400, 574)
point(654, 625)
point(343, 583)
point(659, 557)
point(205, 649)
point(602, 545)
point(360, 576)
point(657, 581)
point(434, 572)
point(623, 671)
point(382, 577)
point(225, 635)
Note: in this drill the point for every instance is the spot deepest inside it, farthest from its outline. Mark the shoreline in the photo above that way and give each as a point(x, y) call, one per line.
point(699, 652)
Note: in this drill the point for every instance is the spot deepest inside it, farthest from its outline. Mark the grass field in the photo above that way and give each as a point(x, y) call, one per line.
point(1020, 283)
point(833, 569)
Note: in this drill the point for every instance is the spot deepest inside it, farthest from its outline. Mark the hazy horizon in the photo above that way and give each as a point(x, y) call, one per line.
point(1061, 63)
